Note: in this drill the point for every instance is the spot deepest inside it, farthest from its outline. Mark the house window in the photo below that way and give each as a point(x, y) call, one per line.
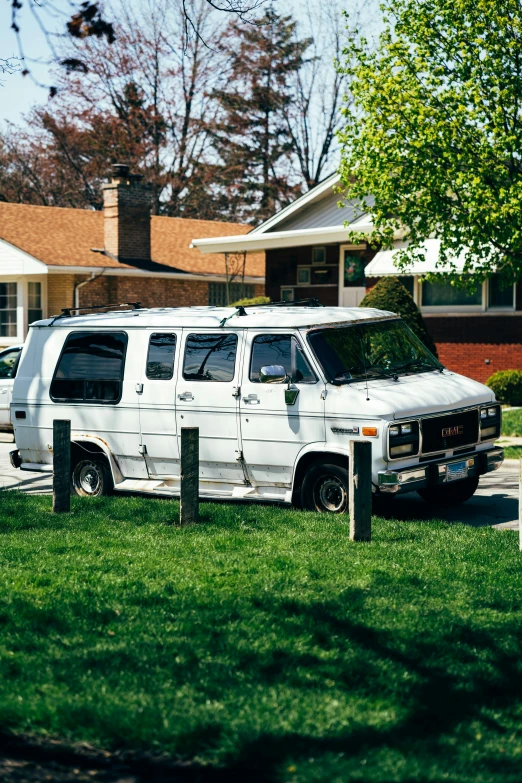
point(8, 302)
point(210, 357)
point(217, 293)
point(445, 295)
point(287, 294)
point(90, 368)
point(318, 255)
point(303, 276)
point(499, 296)
point(34, 302)
point(160, 358)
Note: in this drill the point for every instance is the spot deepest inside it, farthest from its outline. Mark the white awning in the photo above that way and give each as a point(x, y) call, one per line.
point(383, 263)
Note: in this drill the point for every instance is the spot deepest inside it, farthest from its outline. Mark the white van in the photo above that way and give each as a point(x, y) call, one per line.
point(8, 364)
point(277, 392)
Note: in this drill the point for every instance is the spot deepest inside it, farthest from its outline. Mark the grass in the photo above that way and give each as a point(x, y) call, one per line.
point(512, 452)
point(512, 423)
point(262, 641)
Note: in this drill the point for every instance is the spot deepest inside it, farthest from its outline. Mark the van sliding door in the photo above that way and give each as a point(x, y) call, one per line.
point(157, 394)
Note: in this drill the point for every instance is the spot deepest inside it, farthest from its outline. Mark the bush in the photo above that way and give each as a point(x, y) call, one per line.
point(507, 386)
point(390, 294)
point(256, 300)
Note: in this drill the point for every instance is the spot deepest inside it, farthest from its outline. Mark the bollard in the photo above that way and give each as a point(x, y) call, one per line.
point(360, 490)
point(61, 465)
point(189, 489)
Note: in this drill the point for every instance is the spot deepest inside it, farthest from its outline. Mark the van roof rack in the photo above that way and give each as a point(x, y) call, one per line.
point(66, 311)
point(312, 302)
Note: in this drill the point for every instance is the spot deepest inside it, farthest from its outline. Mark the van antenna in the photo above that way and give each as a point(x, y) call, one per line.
point(364, 365)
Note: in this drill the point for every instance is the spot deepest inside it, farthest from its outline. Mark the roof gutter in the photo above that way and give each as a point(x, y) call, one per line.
point(279, 239)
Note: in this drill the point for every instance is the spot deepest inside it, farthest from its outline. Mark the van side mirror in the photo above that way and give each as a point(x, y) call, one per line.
point(272, 373)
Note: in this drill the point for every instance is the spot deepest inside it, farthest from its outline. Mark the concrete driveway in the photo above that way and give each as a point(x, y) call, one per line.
point(495, 503)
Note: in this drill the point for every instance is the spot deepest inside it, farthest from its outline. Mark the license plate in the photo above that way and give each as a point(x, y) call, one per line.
point(457, 470)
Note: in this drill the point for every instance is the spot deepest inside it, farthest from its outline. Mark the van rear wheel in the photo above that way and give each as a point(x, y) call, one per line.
point(325, 489)
point(450, 494)
point(91, 478)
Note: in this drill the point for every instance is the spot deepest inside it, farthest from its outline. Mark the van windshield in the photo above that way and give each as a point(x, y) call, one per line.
point(382, 349)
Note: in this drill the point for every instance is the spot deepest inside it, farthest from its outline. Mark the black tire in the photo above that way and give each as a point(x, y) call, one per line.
point(325, 489)
point(91, 477)
point(450, 494)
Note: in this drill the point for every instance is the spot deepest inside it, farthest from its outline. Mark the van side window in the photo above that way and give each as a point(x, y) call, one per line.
point(9, 363)
point(280, 349)
point(90, 368)
point(210, 357)
point(160, 358)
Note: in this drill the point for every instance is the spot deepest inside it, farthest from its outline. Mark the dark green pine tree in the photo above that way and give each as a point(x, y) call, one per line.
point(254, 177)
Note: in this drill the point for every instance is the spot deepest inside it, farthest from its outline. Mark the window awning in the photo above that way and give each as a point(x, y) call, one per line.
point(383, 263)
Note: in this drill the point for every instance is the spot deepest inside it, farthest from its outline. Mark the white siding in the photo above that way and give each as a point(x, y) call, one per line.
point(14, 261)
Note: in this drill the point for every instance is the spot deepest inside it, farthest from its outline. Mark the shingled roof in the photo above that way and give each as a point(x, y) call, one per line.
point(59, 236)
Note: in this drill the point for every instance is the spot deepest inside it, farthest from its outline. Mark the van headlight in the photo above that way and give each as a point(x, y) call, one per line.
point(490, 420)
point(403, 440)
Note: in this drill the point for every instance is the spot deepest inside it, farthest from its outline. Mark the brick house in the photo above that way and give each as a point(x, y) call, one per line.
point(308, 255)
point(51, 257)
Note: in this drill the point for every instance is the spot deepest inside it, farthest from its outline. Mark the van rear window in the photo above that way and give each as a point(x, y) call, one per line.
point(90, 368)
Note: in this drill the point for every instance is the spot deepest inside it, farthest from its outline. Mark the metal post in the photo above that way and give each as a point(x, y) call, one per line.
point(189, 490)
point(61, 465)
point(360, 490)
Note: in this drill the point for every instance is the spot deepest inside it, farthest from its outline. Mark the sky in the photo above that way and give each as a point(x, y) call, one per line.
point(18, 93)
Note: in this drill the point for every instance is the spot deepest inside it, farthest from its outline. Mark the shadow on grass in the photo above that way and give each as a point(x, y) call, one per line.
point(475, 684)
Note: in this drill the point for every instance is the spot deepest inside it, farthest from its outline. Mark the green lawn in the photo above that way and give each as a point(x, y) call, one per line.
point(263, 641)
point(512, 452)
point(512, 423)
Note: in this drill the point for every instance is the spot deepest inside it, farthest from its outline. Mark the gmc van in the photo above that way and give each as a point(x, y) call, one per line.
point(277, 392)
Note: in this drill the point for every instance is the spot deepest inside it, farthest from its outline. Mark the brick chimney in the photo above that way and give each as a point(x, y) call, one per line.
point(126, 211)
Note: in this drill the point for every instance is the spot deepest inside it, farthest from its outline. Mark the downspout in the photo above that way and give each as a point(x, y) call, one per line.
point(91, 279)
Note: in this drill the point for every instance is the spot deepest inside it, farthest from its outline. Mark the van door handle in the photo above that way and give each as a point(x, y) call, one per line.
point(139, 388)
point(252, 399)
point(186, 396)
point(3, 391)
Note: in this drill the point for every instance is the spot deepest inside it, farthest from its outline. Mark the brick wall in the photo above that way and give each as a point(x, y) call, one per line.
point(112, 289)
point(60, 293)
point(471, 358)
point(478, 346)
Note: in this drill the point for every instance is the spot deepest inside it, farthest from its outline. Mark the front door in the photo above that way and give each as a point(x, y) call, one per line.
point(157, 402)
point(352, 286)
point(274, 432)
point(207, 397)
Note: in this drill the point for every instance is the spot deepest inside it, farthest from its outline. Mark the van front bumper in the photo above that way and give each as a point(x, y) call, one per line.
point(438, 472)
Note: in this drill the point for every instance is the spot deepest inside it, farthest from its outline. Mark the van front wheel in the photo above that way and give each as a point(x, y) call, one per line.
point(91, 478)
point(325, 488)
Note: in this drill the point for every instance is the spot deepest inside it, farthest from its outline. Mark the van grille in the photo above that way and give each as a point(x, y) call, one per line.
point(443, 433)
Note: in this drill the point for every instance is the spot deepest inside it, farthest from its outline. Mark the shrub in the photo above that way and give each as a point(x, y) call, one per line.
point(507, 386)
point(256, 300)
point(390, 294)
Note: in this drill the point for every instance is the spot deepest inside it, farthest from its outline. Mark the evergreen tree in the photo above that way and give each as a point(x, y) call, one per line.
point(251, 136)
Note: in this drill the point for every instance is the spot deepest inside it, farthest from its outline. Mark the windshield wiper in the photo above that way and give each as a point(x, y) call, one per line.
point(363, 372)
point(418, 363)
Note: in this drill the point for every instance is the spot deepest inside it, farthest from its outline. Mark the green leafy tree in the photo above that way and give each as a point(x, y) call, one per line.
point(390, 294)
point(251, 136)
point(435, 131)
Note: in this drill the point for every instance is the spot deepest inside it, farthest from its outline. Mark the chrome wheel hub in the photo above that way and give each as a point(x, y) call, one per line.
point(89, 479)
point(330, 494)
